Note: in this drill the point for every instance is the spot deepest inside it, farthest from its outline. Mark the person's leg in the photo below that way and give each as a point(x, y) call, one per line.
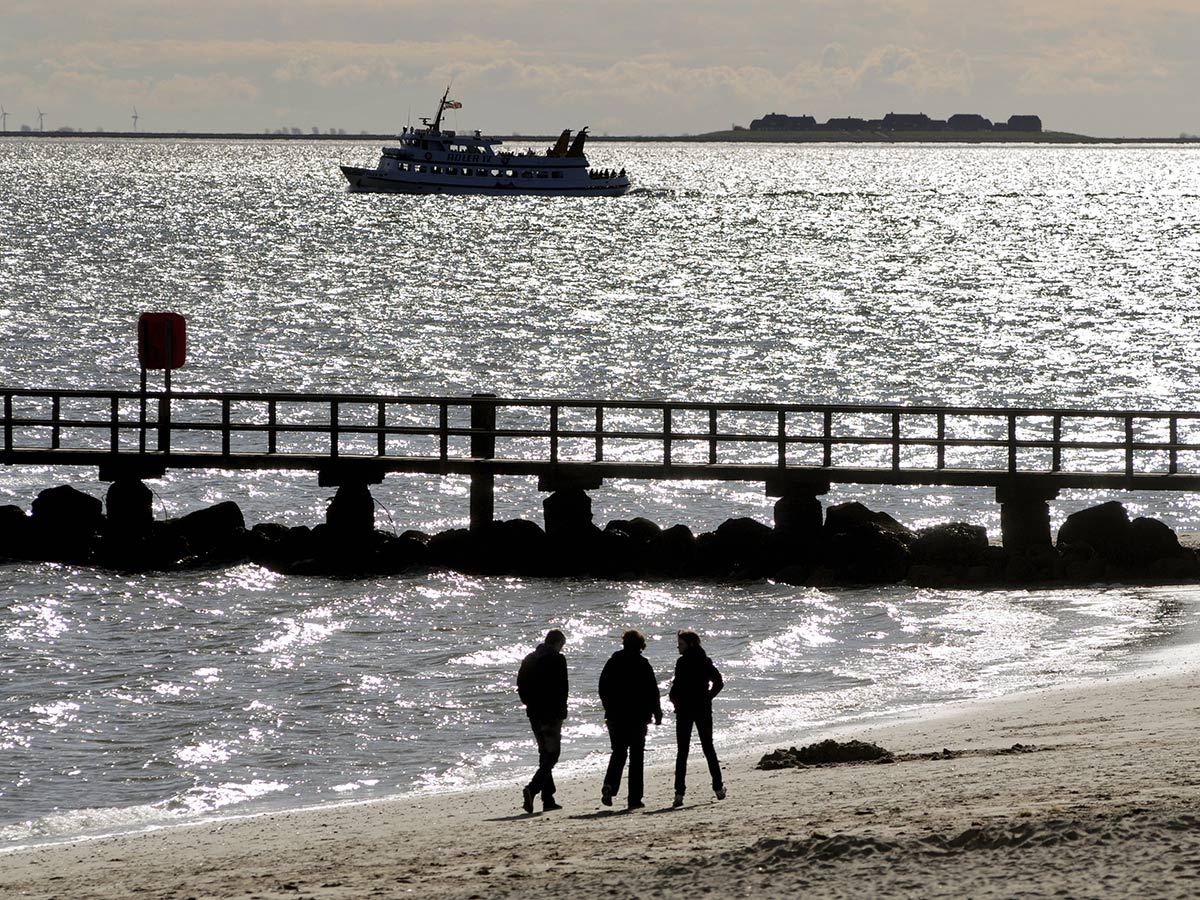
point(549, 750)
point(683, 739)
point(539, 777)
point(619, 741)
point(704, 730)
point(637, 752)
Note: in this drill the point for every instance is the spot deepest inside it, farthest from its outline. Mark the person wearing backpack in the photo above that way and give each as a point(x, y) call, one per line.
point(542, 687)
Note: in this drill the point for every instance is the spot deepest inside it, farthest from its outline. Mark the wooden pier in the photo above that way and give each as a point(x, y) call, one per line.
point(795, 450)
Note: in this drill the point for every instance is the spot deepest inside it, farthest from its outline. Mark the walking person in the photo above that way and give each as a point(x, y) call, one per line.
point(695, 684)
point(629, 692)
point(542, 686)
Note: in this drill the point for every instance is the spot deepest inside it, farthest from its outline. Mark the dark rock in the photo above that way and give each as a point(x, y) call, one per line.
point(568, 512)
point(65, 525)
point(1105, 528)
point(66, 510)
point(844, 517)
point(374, 554)
point(278, 547)
point(798, 575)
point(452, 549)
point(674, 552)
point(516, 546)
point(742, 547)
point(800, 514)
point(619, 555)
point(159, 549)
point(129, 505)
point(1149, 540)
point(869, 554)
point(951, 544)
point(215, 535)
point(1177, 569)
point(825, 753)
point(14, 533)
point(639, 528)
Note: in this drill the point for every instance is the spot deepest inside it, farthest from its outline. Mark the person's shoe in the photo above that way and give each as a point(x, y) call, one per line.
point(606, 795)
point(550, 806)
point(527, 800)
point(720, 792)
point(636, 804)
point(678, 801)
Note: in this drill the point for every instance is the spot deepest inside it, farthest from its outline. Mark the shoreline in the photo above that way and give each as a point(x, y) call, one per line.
point(1111, 777)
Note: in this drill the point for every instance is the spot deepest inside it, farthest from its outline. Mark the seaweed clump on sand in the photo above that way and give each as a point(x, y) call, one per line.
point(826, 753)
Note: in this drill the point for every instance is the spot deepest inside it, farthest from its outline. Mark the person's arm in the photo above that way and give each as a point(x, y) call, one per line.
point(717, 682)
point(561, 685)
point(652, 689)
point(605, 685)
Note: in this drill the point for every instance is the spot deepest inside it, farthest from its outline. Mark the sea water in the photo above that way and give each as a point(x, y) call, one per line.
point(1019, 275)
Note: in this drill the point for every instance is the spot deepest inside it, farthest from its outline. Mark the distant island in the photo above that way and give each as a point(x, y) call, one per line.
point(913, 127)
point(771, 128)
point(959, 123)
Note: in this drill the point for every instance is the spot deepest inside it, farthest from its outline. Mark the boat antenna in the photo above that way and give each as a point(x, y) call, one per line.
point(437, 120)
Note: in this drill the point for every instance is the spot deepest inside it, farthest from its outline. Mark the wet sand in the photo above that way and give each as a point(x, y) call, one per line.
point(1101, 800)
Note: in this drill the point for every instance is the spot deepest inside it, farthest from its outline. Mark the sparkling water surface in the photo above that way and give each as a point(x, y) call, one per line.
point(826, 273)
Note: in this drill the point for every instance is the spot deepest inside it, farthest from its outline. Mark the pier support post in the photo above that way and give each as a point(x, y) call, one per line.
point(568, 509)
point(483, 446)
point(798, 511)
point(352, 510)
point(1025, 516)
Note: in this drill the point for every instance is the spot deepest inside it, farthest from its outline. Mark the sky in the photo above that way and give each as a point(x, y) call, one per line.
point(1107, 68)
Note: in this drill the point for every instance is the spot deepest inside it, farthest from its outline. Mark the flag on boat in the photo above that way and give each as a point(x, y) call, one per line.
point(453, 104)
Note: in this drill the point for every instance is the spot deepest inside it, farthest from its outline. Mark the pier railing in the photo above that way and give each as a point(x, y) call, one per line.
point(128, 431)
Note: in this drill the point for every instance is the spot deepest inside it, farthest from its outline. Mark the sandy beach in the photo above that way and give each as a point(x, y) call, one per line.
point(1101, 800)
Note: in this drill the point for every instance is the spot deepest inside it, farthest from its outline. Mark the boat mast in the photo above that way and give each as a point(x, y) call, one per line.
point(437, 120)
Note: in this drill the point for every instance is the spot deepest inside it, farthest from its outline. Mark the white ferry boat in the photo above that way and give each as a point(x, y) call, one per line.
point(432, 161)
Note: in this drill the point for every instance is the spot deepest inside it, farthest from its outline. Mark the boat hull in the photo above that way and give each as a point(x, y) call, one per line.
point(370, 181)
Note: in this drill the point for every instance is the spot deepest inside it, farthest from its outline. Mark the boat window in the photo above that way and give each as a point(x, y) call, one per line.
point(418, 168)
point(482, 173)
point(509, 173)
point(556, 174)
point(403, 167)
point(543, 174)
point(436, 170)
point(527, 174)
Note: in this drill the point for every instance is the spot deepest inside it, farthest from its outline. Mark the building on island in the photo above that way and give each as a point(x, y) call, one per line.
point(897, 122)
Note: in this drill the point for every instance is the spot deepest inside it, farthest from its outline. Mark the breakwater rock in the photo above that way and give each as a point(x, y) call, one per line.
point(852, 545)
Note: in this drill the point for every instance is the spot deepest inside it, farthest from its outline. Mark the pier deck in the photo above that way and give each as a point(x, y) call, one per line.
point(1027, 454)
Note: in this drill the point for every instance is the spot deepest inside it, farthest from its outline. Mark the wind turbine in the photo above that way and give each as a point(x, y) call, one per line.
point(135, 118)
point(3, 119)
point(41, 116)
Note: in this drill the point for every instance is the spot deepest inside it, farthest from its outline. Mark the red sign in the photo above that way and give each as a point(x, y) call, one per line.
point(162, 340)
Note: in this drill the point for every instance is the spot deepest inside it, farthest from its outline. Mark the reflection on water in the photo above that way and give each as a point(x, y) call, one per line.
point(823, 273)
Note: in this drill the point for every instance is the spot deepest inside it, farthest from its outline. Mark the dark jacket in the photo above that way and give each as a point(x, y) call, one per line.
point(629, 690)
point(542, 684)
point(696, 682)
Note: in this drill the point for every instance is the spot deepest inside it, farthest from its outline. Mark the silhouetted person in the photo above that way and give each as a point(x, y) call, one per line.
point(542, 686)
point(695, 684)
point(629, 692)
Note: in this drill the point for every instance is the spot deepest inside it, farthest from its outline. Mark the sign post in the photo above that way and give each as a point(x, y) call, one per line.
point(162, 344)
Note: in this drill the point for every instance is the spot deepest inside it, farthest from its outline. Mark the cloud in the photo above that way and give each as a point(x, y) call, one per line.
point(915, 72)
point(1090, 64)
